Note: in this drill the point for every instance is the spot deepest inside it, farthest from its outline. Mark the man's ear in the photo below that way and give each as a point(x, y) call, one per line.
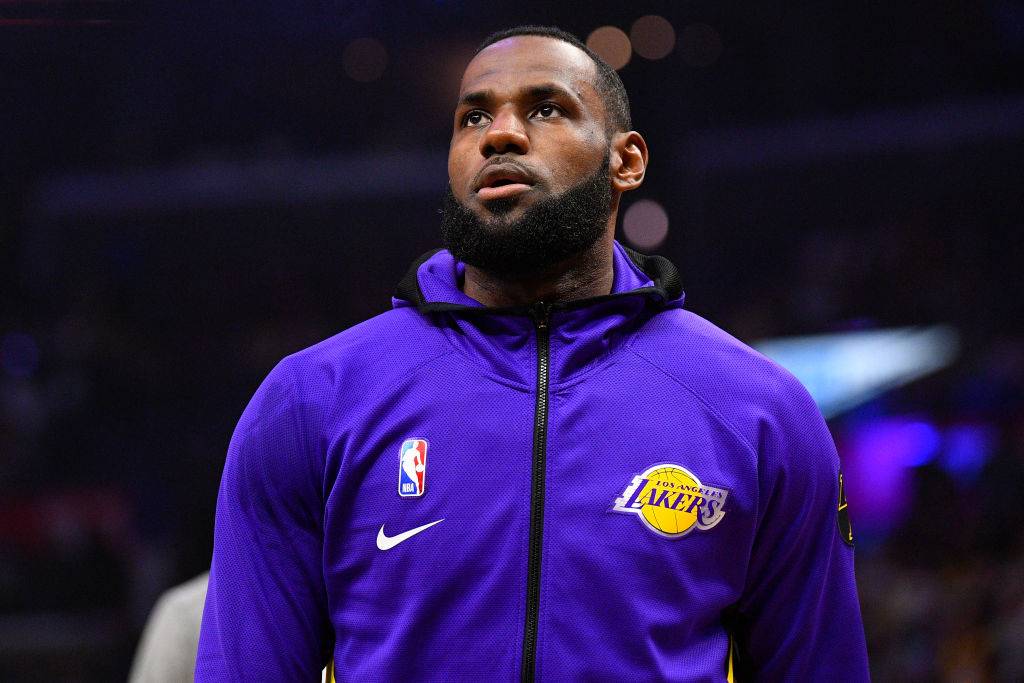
point(629, 161)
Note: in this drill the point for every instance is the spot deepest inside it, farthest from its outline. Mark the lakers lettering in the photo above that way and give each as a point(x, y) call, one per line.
point(671, 501)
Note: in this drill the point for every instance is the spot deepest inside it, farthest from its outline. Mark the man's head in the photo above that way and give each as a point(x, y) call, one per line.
point(540, 152)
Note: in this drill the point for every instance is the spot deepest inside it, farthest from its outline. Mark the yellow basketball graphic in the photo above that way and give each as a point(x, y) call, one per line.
point(671, 501)
point(669, 486)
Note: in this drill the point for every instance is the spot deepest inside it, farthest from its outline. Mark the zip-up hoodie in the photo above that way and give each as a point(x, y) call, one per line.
point(605, 489)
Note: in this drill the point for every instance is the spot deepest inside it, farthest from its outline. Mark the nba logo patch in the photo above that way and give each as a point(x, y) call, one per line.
point(412, 468)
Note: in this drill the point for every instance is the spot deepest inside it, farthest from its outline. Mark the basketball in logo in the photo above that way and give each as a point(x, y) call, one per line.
point(669, 520)
point(671, 501)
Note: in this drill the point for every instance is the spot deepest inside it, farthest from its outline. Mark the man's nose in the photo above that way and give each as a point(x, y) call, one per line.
point(505, 134)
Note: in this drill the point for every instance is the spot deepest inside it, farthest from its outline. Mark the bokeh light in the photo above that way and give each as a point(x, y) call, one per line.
point(645, 224)
point(612, 45)
point(700, 44)
point(364, 59)
point(968, 448)
point(653, 37)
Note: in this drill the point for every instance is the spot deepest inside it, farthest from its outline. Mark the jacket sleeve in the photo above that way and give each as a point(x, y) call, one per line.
point(799, 614)
point(265, 617)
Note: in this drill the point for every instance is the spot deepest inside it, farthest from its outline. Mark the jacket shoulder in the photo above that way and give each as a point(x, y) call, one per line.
point(742, 386)
point(368, 356)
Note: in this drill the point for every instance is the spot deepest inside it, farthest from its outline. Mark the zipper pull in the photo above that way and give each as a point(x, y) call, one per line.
point(540, 312)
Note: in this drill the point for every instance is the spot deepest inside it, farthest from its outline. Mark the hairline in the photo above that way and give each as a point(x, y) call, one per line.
point(603, 85)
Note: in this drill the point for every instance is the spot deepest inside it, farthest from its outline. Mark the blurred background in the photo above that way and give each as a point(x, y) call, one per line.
point(189, 195)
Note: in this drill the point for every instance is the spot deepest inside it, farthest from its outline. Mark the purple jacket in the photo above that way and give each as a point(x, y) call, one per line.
point(609, 489)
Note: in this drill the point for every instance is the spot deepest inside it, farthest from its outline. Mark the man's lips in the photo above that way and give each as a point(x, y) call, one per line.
point(503, 180)
point(501, 191)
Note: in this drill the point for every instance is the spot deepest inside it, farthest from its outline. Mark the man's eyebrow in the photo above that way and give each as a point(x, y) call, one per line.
point(538, 92)
point(476, 97)
point(533, 92)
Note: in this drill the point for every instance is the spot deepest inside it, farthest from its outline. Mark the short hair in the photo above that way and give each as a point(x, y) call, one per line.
point(609, 85)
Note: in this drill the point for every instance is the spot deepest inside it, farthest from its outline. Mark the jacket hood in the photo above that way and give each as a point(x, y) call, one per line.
point(434, 283)
point(503, 341)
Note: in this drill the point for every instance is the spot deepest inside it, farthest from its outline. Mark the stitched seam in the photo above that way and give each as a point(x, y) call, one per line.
point(724, 422)
point(344, 461)
point(593, 367)
point(485, 371)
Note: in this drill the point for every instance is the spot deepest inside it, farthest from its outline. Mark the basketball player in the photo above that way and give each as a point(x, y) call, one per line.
point(612, 487)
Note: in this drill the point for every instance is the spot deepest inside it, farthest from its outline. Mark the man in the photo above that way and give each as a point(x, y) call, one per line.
point(606, 486)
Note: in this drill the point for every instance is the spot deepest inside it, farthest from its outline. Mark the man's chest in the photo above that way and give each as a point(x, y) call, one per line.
point(639, 484)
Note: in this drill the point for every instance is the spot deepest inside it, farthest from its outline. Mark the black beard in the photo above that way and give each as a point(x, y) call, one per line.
point(547, 233)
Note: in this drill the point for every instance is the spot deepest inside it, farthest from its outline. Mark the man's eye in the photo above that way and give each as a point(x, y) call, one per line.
point(474, 118)
point(547, 111)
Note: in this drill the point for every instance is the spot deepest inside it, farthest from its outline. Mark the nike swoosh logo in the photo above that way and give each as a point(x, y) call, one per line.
point(385, 542)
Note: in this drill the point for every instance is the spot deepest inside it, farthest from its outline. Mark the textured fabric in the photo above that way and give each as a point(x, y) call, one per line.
point(730, 532)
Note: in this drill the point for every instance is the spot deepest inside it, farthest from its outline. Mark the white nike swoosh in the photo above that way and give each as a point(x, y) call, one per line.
point(385, 542)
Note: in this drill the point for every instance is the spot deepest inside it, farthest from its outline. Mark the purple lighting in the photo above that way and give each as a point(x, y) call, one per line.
point(19, 354)
point(877, 459)
point(968, 447)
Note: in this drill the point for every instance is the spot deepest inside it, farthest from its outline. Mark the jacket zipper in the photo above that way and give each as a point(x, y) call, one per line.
point(541, 313)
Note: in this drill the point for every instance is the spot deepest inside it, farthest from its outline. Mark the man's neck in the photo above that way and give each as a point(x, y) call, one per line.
point(584, 275)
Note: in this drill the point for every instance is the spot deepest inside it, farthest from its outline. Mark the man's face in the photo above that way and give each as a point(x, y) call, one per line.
point(529, 130)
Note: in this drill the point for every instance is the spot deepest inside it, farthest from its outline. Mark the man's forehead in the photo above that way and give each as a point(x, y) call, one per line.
point(522, 59)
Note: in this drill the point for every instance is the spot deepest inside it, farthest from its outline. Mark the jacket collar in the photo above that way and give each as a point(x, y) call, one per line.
point(432, 283)
point(583, 332)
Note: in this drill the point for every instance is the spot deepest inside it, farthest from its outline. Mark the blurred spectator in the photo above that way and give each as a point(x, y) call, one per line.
point(167, 650)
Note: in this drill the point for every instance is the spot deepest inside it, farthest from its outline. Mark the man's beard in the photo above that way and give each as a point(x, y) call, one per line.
point(547, 233)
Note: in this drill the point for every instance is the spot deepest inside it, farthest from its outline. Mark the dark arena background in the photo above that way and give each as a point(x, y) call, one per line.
point(188, 195)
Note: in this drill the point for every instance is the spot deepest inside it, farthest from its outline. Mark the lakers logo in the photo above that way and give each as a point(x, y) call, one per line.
point(671, 501)
point(843, 514)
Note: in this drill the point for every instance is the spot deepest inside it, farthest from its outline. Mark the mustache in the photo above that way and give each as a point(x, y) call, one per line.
point(548, 231)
